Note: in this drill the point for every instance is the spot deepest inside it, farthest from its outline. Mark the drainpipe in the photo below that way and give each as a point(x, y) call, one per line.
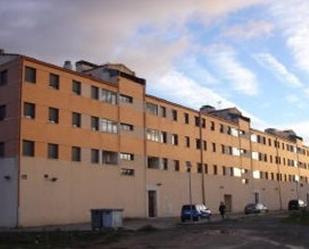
point(278, 170)
point(202, 158)
point(298, 170)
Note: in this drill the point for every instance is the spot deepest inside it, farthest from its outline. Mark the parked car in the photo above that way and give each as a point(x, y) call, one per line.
point(296, 204)
point(195, 212)
point(255, 208)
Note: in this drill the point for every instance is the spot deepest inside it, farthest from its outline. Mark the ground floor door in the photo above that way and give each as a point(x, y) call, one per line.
point(228, 203)
point(256, 197)
point(152, 203)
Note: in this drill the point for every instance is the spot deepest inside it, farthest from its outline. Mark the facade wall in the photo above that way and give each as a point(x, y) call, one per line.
point(9, 136)
point(158, 148)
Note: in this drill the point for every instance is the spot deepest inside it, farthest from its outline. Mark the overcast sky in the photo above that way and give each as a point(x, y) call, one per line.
point(253, 54)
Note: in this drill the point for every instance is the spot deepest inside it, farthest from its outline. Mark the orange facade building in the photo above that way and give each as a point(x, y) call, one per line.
point(72, 141)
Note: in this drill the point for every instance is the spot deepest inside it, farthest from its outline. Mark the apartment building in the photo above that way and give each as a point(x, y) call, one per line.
point(76, 140)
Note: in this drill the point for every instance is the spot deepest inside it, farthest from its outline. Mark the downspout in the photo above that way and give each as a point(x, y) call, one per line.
point(298, 170)
point(202, 158)
point(278, 170)
point(18, 153)
point(145, 151)
point(251, 164)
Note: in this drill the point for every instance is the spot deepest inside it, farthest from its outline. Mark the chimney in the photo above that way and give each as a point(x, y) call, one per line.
point(2, 51)
point(207, 109)
point(68, 65)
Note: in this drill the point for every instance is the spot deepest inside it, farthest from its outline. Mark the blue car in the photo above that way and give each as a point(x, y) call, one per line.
point(195, 212)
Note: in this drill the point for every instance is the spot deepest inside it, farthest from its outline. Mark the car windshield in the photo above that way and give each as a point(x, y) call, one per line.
point(188, 207)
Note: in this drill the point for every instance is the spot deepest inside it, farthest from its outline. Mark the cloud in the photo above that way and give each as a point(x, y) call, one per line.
point(96, 30)
point(278, 69)
point(292, 18)
point(301, 129)
point(250, 30)
point(178, 88)
point(225, 59)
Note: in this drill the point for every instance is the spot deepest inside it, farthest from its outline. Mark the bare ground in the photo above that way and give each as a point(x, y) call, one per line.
point(252, 232)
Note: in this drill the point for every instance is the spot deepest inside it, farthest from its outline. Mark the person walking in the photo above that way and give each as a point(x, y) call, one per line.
point(222, 209)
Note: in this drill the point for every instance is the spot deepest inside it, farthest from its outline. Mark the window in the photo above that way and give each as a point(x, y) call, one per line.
point(2, 149)
point(95, 156)
point(186, 116)
point(126, 156)
point(269, 141)
point(76, 87)
point(199, 168)
point(198, 144)
point(127, 172)
point(152, 108)
point(94, 123)
point(3, 77)
point(110, 157)
point(222, 148)
point(221, 128)
point(234, 132)
point(2, 112)
point(53, 151)
point(76, 119)
point(54, 81)
point(108, 97)
point(174, 115)
point(109, 126)
point(176, 165)
point(213, 147)
point(126, 127)
point(94, 92)
point(212, 125)
point(255, 155)
point(153, 135)
point(215, 169)
point(163, 111)
point(197, 122)
point(76, 154)
point(223, 170)
point(164, 137)
point(165, 163)
point(206, 168)
point(30, 75)
point(187, 141)
point(53, 115)
point(29, 110)
point(204, 145)
point(125, 99)
point(28, 148)
point(174, 139)
point(153, 162)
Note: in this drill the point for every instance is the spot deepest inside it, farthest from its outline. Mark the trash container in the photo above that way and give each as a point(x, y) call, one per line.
point(106, 218)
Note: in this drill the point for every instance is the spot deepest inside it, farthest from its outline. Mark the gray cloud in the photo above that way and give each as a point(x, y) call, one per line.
point(104, 30)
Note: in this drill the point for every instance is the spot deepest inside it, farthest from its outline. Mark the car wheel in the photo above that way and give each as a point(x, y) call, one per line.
point(183, 219)
point(196, 218)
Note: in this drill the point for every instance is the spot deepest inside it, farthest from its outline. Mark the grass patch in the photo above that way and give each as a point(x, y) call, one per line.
point(298, 217)
point(57, 239)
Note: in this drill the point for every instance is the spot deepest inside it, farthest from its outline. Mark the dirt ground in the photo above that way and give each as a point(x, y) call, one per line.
point(267, 231)
point(238, 231)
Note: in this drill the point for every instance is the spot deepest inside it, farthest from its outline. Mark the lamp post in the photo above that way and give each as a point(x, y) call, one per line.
point(189, 166)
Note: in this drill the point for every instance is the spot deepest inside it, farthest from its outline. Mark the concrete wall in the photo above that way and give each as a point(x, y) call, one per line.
point(8, 192)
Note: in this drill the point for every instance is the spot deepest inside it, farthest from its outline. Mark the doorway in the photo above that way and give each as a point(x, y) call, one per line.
point(228, 203)
point(256, 197)
point(152, 203)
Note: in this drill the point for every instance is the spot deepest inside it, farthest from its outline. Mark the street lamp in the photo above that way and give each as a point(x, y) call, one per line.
point(189, 166)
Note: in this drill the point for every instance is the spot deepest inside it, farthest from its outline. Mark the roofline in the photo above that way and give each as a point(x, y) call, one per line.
point(190, 109)
point(66, 70)
point(276, 136)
